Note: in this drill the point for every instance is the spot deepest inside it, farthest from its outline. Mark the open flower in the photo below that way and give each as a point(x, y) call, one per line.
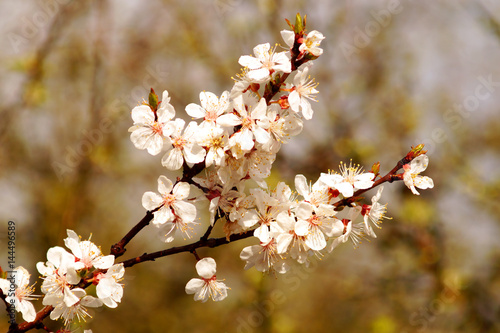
point(206, 287)
point(303, 90)
point(265, 62)
point(149, 128)
point(22, 295)
point(411, 175)
point(183, 146)
point(171, 200)
point(108, 289)
point(374, 213)
point(211, 108)
point(350, 178)
point(88, 254)
point(311, 43)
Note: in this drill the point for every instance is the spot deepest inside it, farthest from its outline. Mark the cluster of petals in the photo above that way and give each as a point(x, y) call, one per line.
point(64, 270)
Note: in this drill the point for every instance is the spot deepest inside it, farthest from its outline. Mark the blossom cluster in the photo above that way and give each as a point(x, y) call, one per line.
point(225, 153)
point(228, 150)
point(65, 276)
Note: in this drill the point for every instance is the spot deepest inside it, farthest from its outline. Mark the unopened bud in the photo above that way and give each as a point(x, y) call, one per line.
point(153, 100)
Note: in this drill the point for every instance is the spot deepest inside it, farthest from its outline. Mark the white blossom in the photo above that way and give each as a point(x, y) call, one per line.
point(265, 62)
point(149, 130)
point(22, 297)
point(208, 286)
point(411, 175)
point(170, 200)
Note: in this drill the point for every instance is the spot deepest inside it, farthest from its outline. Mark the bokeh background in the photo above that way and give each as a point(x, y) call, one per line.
point(393, 74)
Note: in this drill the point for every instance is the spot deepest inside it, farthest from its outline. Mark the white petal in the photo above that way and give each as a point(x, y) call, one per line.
point(173, 160)
point(206, 267)
point(185, 210)
point(151, 200)
point(288, 36)
point(143, 114)
point(195, 111)
point(194, 285)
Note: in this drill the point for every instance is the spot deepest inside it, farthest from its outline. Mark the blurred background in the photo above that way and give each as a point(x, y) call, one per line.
point(393, 74)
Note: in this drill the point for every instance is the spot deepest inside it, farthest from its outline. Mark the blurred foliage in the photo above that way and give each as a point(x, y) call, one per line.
point(66, 95)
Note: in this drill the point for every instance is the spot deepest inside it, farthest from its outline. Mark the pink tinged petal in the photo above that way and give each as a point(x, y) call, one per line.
point(181, 190)
point(163, 215)
point(214, 203)
point(294, 100)
point(229, 120)
point(151, 200)
point(164, 185)
point(377, 196)
point(72, 276)
point(221, 289)
point(419, 164)
point(109, 302)
point(258, 74)
point(165, 113)
point(194, 285)
point(185, 210)
point(105, 287)
point(28, 310)
point(250, 62)
point(141, 137)
point(261, 50)
point(282, 63)
point(423, 182)
point(261, 135)
point(259, 110)
point(194, 154)
point(304, 210)
point(316, 239)
point(307, 111)
point(74, 246)
point(210, 158)
point(206, 267)
point(71, 296)
point(331, 180)
point(143, 114)
point(288, 36)
point(195, 111)
point(249, 219)
point(173, 160)
point(155, 144)
point(57, 312)
point(262, 233)
point(22, 277)
point(325, 210)
point(345, 188)
point(91, 302)
point(283, 242)
point(302, 228)
point(208, 100)
point(301, 185)
point(246, 139)
point(104, 262)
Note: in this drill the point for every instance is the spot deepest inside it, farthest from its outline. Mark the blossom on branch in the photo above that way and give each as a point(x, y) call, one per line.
point(411, 175)
point(150, 127)
point(23, 294)
point(208, 286)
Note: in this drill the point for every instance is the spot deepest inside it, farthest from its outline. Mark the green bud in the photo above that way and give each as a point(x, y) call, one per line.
point(299, 26)
point(153, 100)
